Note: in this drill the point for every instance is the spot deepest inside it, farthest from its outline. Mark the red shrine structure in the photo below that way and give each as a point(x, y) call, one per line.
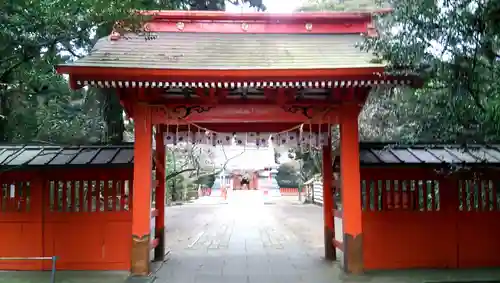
point(249, 72)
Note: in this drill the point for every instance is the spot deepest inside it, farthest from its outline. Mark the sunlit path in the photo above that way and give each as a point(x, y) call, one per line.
point(246, 241)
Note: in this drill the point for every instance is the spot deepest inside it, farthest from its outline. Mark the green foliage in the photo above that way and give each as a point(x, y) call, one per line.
point(206, 181)
point(287, 176)
point(310, 163)
point(35, 103)
point(455, 47)
point(345, 5)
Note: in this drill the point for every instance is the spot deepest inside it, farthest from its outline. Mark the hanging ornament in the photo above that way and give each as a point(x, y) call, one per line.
point(189, 135)
point(223, 138)
point(302, 138)
point(200, 137)
point(313, 138)
point(182, 137)
point(274, 139)
point(176, 133)
point(281, 139)
point(263, 139)
point(292, 138)
point(253, 138)
point(210, 138)
point(240, 138)
point(169, 137)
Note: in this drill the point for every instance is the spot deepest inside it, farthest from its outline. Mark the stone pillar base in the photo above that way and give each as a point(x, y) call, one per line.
point(140, 261)
point(353, 254)
point(329, 248)
point(160, 248)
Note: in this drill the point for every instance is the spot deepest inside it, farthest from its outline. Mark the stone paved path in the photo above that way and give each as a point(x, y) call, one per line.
point(245, 241)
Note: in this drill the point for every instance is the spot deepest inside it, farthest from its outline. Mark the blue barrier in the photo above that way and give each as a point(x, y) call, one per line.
point(53, 258)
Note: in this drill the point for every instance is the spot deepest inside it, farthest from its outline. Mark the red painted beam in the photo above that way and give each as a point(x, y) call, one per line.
point(173, 102)
point(244, 113)
point(353, 27)
point(259, 16)
point(122, 74)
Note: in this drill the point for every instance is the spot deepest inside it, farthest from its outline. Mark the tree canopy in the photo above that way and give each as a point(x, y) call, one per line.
point(35, 103)
point(454, 47)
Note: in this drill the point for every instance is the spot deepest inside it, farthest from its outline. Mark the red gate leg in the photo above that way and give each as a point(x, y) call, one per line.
point(160, 195)
point(351, 190)
point(329, 230)
point(141, 199)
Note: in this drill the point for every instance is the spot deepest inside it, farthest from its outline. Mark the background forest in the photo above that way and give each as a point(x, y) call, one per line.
point(454, 46)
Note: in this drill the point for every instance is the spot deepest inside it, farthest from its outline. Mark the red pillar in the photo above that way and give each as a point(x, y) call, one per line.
point(328, 201)
point(160, 194)
point(351, 189)
point(141, 202)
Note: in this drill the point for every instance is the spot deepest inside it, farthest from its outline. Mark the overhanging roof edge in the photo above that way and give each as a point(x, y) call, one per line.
point(369, 68)
point(265, 16)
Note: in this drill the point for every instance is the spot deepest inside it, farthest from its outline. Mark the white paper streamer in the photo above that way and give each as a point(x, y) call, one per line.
point(263, 139)
point(313, 139)
point(323, 139)
point(240, 138)
point(169, 138)
point(291, 139)
point(182, 137)
point(200, 138)
point(223, 138)
point(252, 138)
point(210, 138)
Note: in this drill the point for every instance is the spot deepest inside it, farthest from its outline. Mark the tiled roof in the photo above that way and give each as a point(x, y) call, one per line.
point(224, 51)
point(370, 154)
point(432, 154)
point(35, 155)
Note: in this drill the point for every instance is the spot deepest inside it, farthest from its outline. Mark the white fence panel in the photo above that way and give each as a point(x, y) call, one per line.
point(317, 193)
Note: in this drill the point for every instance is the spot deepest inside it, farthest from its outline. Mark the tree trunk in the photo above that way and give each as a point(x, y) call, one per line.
point(4, 112)
point(113, 116)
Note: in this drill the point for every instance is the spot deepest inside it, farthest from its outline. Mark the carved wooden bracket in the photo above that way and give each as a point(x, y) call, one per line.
point(185, 111)
point(307, 111)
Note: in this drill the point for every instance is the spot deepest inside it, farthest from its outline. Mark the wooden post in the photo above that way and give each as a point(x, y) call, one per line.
point(351, 190)
point(40, 204)
point(160, 194)
point(141, 202)
point(329, 229)
point(449, 199)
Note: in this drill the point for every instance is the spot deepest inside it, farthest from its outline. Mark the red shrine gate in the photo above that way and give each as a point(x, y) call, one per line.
point(253, 72)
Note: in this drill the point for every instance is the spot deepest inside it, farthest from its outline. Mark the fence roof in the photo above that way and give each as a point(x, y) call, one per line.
point(66, 156)
point(371, 154)
point(429, 154)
